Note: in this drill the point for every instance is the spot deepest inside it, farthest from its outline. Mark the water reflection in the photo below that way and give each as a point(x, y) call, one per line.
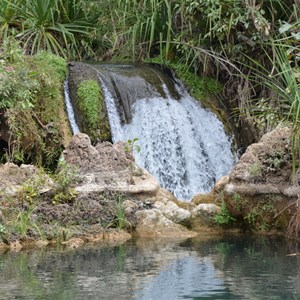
point(219, 268)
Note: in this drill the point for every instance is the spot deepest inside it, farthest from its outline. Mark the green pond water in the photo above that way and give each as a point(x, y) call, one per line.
point(212, 268)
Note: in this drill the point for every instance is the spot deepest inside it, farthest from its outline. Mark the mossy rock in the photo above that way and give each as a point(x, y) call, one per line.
point(91, 104)
point(88, 102)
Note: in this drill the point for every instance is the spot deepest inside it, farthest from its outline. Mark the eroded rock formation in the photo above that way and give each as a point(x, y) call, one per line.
point(107, 167)
point(262, 184)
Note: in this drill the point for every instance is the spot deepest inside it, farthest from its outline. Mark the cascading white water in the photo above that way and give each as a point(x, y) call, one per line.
point(113, 116)
point(182, 144)
point(70, 110)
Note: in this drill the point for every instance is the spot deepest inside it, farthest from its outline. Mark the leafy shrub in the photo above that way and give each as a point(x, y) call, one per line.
point(32, 103)
point(224, 217)
point(64, 178)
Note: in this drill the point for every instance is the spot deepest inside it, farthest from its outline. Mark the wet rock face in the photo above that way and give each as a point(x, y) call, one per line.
point(261, 184)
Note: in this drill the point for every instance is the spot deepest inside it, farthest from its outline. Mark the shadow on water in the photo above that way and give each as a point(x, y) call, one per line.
point(210, 268)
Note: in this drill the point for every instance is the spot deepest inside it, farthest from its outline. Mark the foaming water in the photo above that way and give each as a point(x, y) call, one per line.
point(70, 110)
point(113, 115)
point(182, 144)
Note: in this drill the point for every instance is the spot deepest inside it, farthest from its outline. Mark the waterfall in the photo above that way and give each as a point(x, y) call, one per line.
point(112, 111)
point(69, 108)
point(182, 144)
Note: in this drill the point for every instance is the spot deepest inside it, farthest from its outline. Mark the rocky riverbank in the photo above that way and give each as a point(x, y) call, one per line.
point(99, 194)
point(96, 192)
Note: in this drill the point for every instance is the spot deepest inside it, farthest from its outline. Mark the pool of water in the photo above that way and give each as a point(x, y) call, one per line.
point(210, 268)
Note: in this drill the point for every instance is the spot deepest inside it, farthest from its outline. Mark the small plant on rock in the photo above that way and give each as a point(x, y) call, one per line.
point(30, 190)
point(224, 217)
point(237, 199)
point(120, 221)
point(120, 213)
point(255, 170)
point(23, 222)
point(130, 147)
point(64, 178)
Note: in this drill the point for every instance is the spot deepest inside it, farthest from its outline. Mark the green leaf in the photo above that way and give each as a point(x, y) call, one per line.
point(137, 148)
point(285, 27)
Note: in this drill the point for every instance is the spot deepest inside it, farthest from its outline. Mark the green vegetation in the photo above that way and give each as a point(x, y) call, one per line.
point(50, 25)
point(238, 201)
point(64, 179)
point(88, 102)
point(224, 217)
point(247, 51)
point(29, 192)
point(199, 87)
point(261, 216)
point(91, 104)
point(130, 147)
point(120, 214)
point(255, 170)
point(32, 105)
point(2, 231)
point(23, 222)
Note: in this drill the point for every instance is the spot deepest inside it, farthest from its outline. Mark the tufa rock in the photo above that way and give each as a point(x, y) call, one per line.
point(261, 186)
point(152, 223)
point(173, 212)
point(12, 177)
point(107, 167)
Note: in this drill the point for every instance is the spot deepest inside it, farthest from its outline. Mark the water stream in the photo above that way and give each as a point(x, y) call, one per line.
point(69, 108)
point(182, 144)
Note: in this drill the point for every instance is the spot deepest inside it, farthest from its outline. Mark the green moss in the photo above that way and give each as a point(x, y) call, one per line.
point(91, 104)
point(89, 101)
point(200, 88)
